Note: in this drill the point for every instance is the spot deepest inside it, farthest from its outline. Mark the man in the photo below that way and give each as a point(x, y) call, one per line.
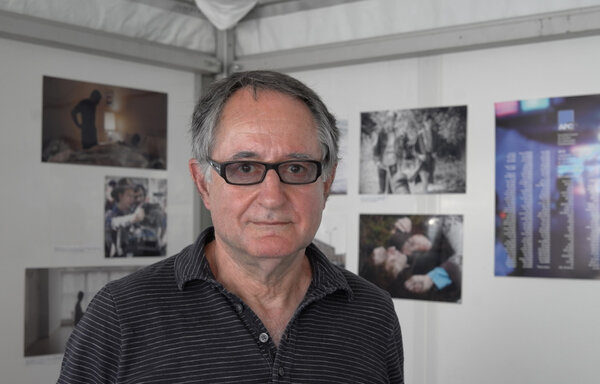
point(140, 195)
point(252, 301)
point(119, 219)
point(85, 111)
point(386, 157)
point(78, 308)
point(424, 154)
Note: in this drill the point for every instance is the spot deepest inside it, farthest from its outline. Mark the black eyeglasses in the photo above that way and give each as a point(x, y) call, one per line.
point(254, 172)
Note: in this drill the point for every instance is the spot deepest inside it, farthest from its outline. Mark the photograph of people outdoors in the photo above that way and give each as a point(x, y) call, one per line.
point(413, 256)
point(98, 124)
point(135, 218)
point(413, 151)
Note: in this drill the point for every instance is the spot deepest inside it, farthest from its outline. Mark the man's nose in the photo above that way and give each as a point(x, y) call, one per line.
point(271, 189)
point(272, 177)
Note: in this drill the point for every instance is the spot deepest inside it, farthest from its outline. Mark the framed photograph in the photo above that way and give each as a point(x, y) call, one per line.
point(99, 124)
point(331, 237)
point(413, 151)
point(413, 256)
point(56, 299)
point(135, 218)
point(548, 187)
point(340, 183)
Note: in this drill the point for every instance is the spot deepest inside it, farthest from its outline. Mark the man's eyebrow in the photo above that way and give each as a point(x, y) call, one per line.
point(244, 155)
point(299, 156)
point(253, 155)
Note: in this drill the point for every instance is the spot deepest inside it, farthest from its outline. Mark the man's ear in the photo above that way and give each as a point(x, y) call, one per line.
point(199, 177)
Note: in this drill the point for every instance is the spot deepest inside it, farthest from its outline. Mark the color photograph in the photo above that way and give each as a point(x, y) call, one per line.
point(98, 124)
point(135, 218)
point(548, 187)
point(413, 151)
point(413, 256)
point(55, 301)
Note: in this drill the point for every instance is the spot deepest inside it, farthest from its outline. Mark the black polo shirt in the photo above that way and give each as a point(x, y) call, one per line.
point(172, 322)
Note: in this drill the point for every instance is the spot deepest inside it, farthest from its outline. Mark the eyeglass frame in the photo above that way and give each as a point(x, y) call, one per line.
point(220, 168)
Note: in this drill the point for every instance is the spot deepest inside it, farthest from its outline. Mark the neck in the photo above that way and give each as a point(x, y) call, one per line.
point(273, 289)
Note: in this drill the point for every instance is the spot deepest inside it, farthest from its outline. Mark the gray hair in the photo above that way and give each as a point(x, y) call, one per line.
point(207, 113)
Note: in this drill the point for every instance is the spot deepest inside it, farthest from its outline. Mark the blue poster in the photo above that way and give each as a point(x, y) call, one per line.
point(548, 187)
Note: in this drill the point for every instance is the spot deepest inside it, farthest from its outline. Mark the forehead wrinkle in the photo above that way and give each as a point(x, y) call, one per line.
point(254, 155)
point(247, 130)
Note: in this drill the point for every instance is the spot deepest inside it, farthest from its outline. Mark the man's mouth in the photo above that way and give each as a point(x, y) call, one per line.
point(270, 223)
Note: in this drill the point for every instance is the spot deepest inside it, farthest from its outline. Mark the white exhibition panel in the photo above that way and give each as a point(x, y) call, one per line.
point(52, 213)
point(506, 330)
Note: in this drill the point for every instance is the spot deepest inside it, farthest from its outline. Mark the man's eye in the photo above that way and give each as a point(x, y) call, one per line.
point(245, 167)
point(295, 168)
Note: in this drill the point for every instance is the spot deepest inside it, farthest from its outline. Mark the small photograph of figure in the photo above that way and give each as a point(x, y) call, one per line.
point(135, 218)
point(413, 151)
point(413, 256)
point(55, 301)
point(101, 124)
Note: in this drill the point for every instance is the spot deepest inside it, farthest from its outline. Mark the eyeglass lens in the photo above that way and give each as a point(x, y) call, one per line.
point(292, 172)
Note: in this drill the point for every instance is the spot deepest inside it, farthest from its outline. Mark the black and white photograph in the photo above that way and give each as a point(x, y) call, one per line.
point(135, 218)
point(55, 301)
point(331, 237)
point(99, 124)
point(413, 256)
point(340, 183)
point(413, 151)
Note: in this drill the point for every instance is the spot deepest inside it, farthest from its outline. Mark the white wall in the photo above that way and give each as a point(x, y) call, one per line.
point(506, 330)
point(515, 330)
point(51, 214)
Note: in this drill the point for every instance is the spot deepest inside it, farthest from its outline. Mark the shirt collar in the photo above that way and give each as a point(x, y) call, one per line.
point(191, 264)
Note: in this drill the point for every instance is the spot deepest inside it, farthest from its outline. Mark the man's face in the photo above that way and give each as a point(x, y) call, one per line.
point(126, 199)
point(140, 197)
point(269, 220)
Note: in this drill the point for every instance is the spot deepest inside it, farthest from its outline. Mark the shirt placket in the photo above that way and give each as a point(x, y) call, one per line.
point(279, 373)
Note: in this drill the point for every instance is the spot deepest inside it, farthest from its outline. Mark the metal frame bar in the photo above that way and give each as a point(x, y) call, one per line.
point(59, 35)
point(531, 29)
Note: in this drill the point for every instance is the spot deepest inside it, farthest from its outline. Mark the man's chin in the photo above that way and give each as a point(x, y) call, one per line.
point(275, 247)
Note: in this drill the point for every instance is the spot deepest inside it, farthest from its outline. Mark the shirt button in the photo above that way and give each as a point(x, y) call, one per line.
point(281, 371)
point(239, 307)
point(263, 337)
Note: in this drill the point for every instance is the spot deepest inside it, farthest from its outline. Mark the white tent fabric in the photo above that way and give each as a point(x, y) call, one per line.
point(309, 26)
point(374, 18)
point(122, 17)
point(225, 14)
